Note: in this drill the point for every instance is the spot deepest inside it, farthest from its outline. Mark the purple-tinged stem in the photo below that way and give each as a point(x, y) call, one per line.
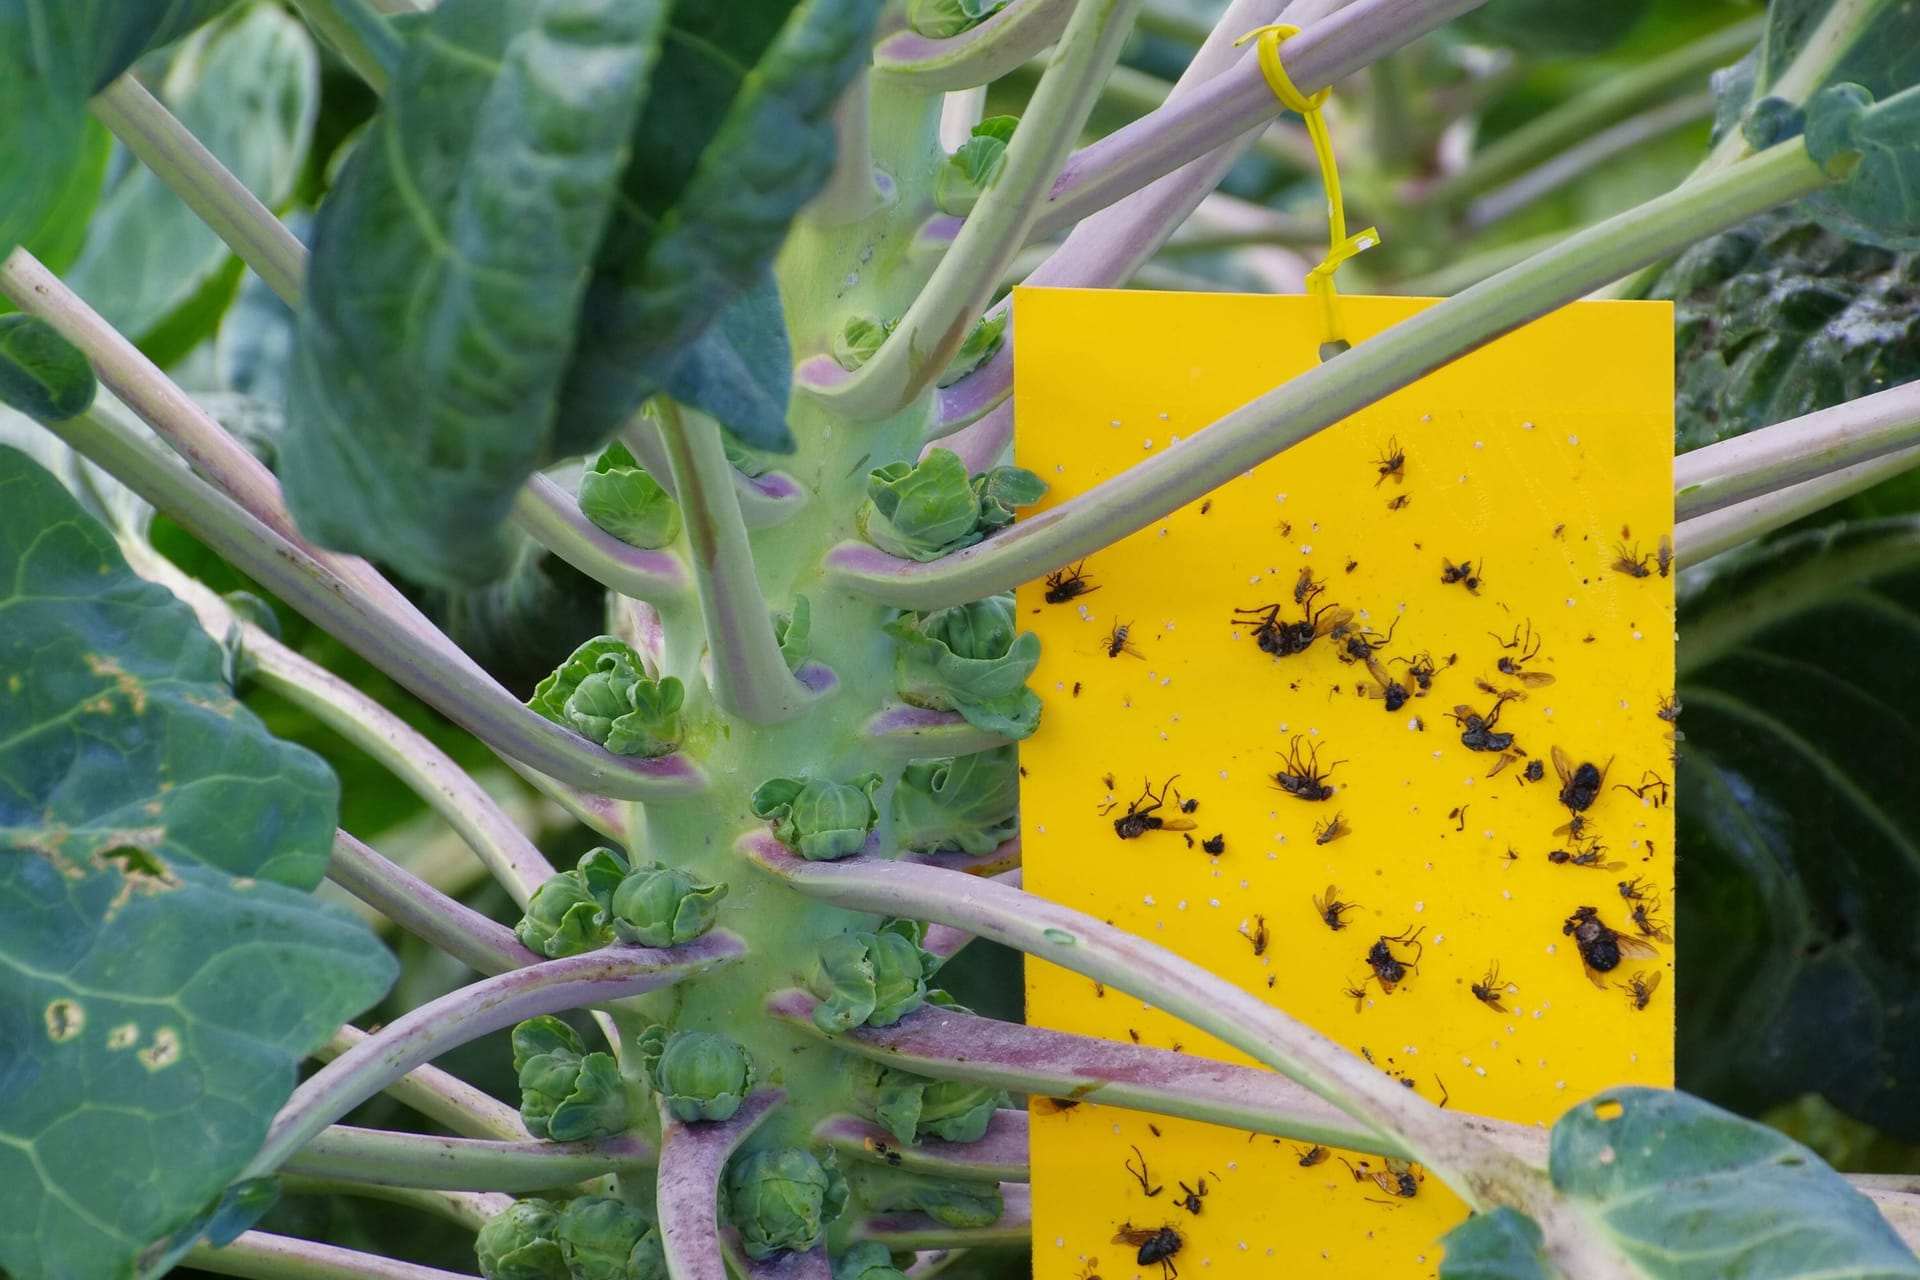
point(750, 677)
point(984, 443)
point(470, 1209)
point(1479, 1171)
point(611, 973)
point(422, 659)
point(811, 1265)
point(692, 1158)
point(1330, 392)
point(928, 1263)
point(423, 910)
point(904, 1231)
point(948, 1044)
point(999, 1156)
point(1002, 863)
point(443, 1098)
point(979, 55)
point(595, 812)
point(944, 942)
point(765, 500)
point(349, 1154)
point(545, 513)
point(930, 333)
point(260, 1255)
point(913, 733)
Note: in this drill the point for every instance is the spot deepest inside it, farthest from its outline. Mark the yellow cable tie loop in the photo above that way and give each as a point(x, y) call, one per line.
point(1341, 245)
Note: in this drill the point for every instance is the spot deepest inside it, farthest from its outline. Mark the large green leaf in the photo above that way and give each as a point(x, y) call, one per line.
point(163, 967)
point(1502, 1245)
point(739, 370)
point(248, 88)
point(1685, 1191)
point(448, 267)
point(1553, 26)
point(1800, 825)
point(736, 137)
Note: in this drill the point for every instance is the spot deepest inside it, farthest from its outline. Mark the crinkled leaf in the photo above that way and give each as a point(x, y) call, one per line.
point(859, 339)
point(1872, 151)
point(563, 919)
point(969, 659)
point(871, 979)
point(163, 967)
point(42, 374)
point(565, 1094)
point(1002, 489)
point(739, 370)
point(1798, 821)
point(921, 509)
point(1684, 1189)
point(618, 494)
point(603, 692)
point(249, 89)
point(551, 694)
point(819, 818)
point(783, 1199)
point(449, 267)
point(659, 906)
point(940, 19)
point(1502, 1245)
point(975, 350)
point(968, 804)
point(736, 136)
point(912, 1107)
point(974, 166)
point(952, 1202)
point(520, 1244)
point(793, 632)
point(606, 1239)
point(1553, 26)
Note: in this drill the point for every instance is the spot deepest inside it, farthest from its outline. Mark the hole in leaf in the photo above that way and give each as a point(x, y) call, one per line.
point(1608, 1110)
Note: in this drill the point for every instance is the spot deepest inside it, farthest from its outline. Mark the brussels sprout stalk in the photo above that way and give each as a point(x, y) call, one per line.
point(346, 1153)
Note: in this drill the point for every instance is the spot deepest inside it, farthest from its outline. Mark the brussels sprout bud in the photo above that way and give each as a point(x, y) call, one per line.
point(1004, 488)
point(858, 339)
point(659, 906)
point(818, 818)
point(605, 1239)
point(867, 1260)
point(603, 693)
point(783, 1199)
point(872, 979)
point(520, 1245)
point(793, 631)
point(951, 1202)
point(566, 1094)
point(912, 1107)
point(921, 509)
point(618, 495)
point(968, 804)
point(939, 19)
point(562, 919)
point(973, 168)
point(981, 342)
point(698, 1075)
point(969, 659)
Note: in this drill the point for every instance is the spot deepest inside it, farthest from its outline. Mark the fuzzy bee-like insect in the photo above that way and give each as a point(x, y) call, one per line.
point(1602, 947)
point(1068, 584)
point(1155, 1245)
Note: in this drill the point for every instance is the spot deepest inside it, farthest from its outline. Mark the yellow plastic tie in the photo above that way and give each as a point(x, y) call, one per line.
point(1342, 246)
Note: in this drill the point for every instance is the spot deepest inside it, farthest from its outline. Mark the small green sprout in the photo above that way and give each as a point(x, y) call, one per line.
point(606, 1239)
point(971, 169)
point(859, 338)
point(619, 496)
point(604, 693)
point(660, 906)
point(866, 1260)
point(951, 1202)
point(566, 1093)
point(699, 1075)
point(783, 1199)
point(971, 659)
point(818, 818)
point(939, 19)
point(793, 631)
point(912, 1107)
point(966, 804)
point(871, 979)
point(522, 1243)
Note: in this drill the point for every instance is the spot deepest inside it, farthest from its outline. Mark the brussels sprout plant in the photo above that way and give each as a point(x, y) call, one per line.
point(621, 389)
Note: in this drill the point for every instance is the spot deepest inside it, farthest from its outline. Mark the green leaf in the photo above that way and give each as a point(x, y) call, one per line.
point(1553, 26)
point(1502, 1245)
point(739, 370)
point(1872, 151)
point(973, 659)
point(975, 350)
point(1685, 1189)
point(736, 136)
point(42, 374)
point(619, 496)
point(63, 231)
point(921, 509)
point(952, 1202)
point(793, 632)
point(939, 19)
point(818, 818)
point(249, 89)
point(971, 169)
point(859, 338)
point(1799, 825)
point(163, 967)
point(969, 804)
point(449, 265)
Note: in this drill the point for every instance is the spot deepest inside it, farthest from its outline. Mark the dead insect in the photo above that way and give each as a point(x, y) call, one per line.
point(1462, 573)
point(1087, 1272)
point(1649, 781)
point(1352, 564)
point(1187, 805)
point(1302, 777)
point(1311, 1156)
point(1528, 646)
point(1142, 815)
point(1361, 645)
point(1579, 784)
point(1590, 857)
point(1629, 561)
point(1330, 830)
point(1118, 643)
point(1649, 925)
point(1385, 687)
point(1459, 815)
point(1634, 890)
point(1330, 909)
point(1668, 708)
point(1155, 1245)
point(1535, 771)
point(1307, 586)
point(1285, 639)
point(1358, 993)
point(1560, 530)
point(1602, 948)
point(1257, 935)
point(1421, 669)
point(1640, 987)
point(1397, 1179)
point(1215, 844)
point(1391, 462)
point(1664, 557)
point(1206, 506)
point(1477, 732)
point(1191, 1201)
point(1390, 970)
point(1489, 990)
point(1140, 1175)
point(1399, 502)
point(1076, 688)
point(1068, 584)
point(1051, 1106)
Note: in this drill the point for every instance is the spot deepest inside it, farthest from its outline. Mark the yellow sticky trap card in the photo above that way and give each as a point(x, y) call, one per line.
point(1307, 683)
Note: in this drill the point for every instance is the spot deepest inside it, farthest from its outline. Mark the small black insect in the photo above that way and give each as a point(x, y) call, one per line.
point(1535, 771)
point(1140, 1175)
point(1602, 947)
point(1397, 1179)
point(1215, 844)
point(1668, 709)
point(1361, 645)
point(1053, 1106)
point(1629, 561)
point(1421, 669)
point(1188, 806)
point(1462, 573)
point(1526, 646)
point(1391, 462)
point(1580, 784)
point(1647, 924)
point(1634, 890)
point(1384, 687)
point(1477, 732)
point(1307, 586)
point(1285, 639)
point(1194, 1195)
point(1664, 557)
point(1640, 987)
point(1118, 642)
point(1154, 1245)
point(1399, 502)
point(1649, 781)
point(1068, 584)
point(1388, 969)
point(1352, 564)
point(1302, 777)
point(1076, 688)
point(1257, 935)
point(1592, 857)
point(1311, 1156)
point(1330, 830)
point(1489, 991)
point(1331, 910)
point(1206, 506)
point(1142, 815)
point(1358, 993)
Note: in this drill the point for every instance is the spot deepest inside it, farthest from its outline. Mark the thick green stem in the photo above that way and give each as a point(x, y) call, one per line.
point(902, 1231)
point(999, 1155)
point(1706, 536)
point(424, 911)
point(359, 35)
point(692, 1158)
point(348, 1154)
point(442, 1098)
point(1326, 394)
point(259, 1255)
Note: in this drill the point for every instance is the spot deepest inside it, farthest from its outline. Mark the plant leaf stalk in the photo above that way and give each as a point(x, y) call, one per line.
point(999, 1156)
point(692, 1158)
point(765, 500)
point(361, 37)
point(423, 910)
point(903, 1231)
point(260, 1255)
point(348, 1154)
point(933, 328)
point(978, 55)
point(469, 1209)
point(1706, 536)
point(445, 1099)
point(611, 973)
point(544, 512)
point(1322, 396)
